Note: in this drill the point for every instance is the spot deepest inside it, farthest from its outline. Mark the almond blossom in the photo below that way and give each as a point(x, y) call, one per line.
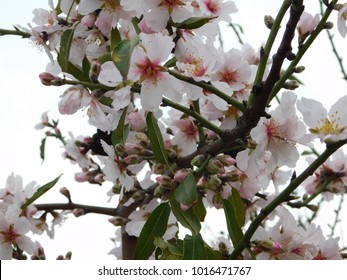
point(12, 233)
point(306, 25)
point(341, 19)
point(115, 169)
point(146, 67)
point(328, 127)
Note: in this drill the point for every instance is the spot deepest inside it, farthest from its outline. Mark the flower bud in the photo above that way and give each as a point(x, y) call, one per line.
point(133, 148)
point(226, 160)
point(94, 71)
point(117, 220)
point(137, 196)
point(65, 192)
point(180, 175)
point(291, 85)
point(49, 79)
point(120, 149)
point(133, 159)
point(74, 98)
point(214, 181)
point(328, 25)
point(312, 207)
point(184, 207)
point(214, 166)
point(269, 21)
point(159, 191)
point(78, 212)
point(198, 160)
point(299, 69)
point(164, 180)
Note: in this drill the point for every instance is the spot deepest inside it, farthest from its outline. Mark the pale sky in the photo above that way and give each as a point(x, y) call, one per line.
point(24, 99)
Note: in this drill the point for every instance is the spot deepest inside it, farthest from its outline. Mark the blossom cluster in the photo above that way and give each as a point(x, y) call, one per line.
point(159, 89)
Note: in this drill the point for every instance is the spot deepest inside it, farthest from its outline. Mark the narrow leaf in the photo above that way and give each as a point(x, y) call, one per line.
point(40, 191)
point(115, 37)
point(187, 219)
point(239, 207)
point(42, 148)
point(120, 134)
point(65, 45)
point(156, 139)
point(155, 226)
point(121, 55)
point(234, 228)
point(187, 193)
point(193, 22)
point(194, 248)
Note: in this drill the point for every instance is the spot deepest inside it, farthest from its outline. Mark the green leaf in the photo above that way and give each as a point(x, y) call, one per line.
point(193, 22)
point(187, 219)
point(121, 55)
point(171, 62)
point(187, 193)
point(239, 207)
point(40, 191)
point(233, 226)
point(104, 58)
point(194, 248)
point(121, 133)
point(42, 148)
point(168, 251)
point(200, 210)
point(156, 139)
point(212, 254)
point(155, 226)
point(65, 45)
point(115, 37)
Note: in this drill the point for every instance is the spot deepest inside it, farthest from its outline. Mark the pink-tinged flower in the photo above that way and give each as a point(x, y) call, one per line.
point(195, 58)
point(220, 8)
point(280, 133)
point(137, 121)
point(333, 173)
point(159, 12)
point(306, 25)
point(233, 72)
point(73, 99)
point(44, 121)
point(286, 240)
point(329, 127)
point(115, 169)
point(12, 233)
point(341, 19)
point(187, 135)
point(146, 67)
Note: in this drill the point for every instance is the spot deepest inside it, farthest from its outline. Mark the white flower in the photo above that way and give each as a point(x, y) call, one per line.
point(307, 24)
point(341, 19)
point(115, 169)
point(12, 233)
point(73, 99)
point(329, 127)
point(146, 66)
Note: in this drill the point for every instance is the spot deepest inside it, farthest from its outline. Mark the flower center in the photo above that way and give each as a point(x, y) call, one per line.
point(172, 3)
point(10, 235)
point(326, 126)
point(150, 71)
point(112, 5)
point(230, 76)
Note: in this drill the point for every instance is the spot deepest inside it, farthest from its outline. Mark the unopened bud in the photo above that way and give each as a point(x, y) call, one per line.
point(78, 212)
point(180, 175)
point(120, 149)
point(158, 192)
point(217, 201)
point(328, 25)
point(291, 85)
point(184, 207)
point(137, 196)
point(214, 181)
point(299, 69)
point(65, 192)
point(117, 189)
point(269, 21)
point(49, 79)
point(132, 149)
point(133, 159)
point(198, 160)
point(214, 166)
point(312, 207)
point(164, 180)
point(223, 249)
point(226, 160)
point(94, 71)
point(116, 221)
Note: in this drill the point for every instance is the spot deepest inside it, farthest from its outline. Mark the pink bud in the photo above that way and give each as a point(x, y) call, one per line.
point(184, 207)
point(137, 121)
point(49, 79)
point(180, 175)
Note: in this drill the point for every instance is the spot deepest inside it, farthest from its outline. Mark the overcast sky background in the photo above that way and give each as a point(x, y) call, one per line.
point(24, 99)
